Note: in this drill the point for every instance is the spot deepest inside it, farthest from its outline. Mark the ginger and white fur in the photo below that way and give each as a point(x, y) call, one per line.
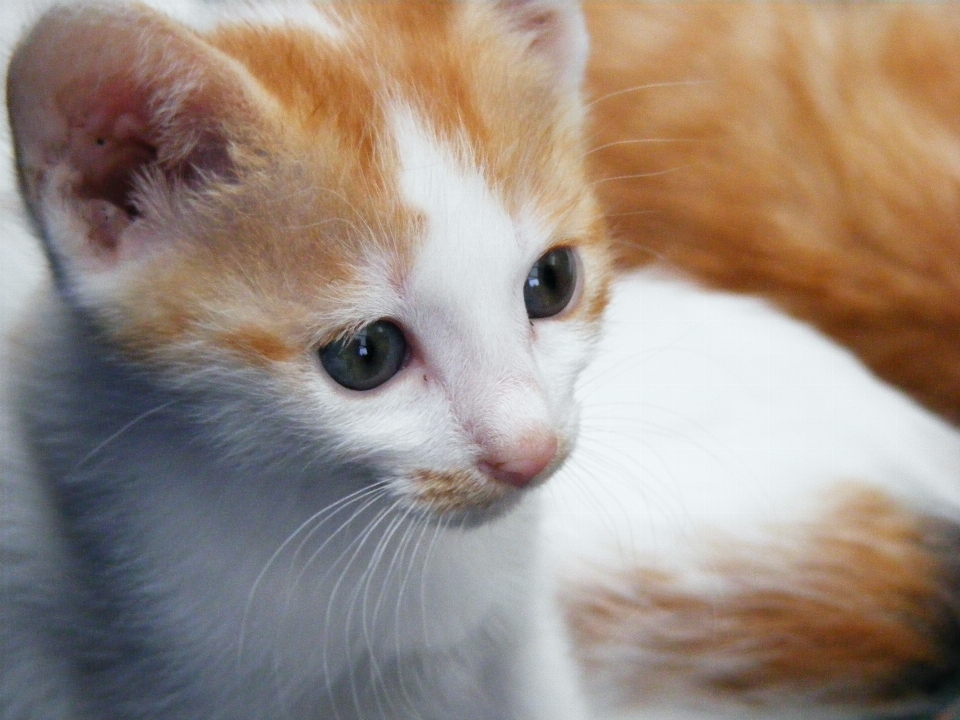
point(719, 439)
point(241, 536)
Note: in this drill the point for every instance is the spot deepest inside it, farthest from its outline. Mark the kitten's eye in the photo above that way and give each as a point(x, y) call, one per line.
point(551, 283)
point(368, 359)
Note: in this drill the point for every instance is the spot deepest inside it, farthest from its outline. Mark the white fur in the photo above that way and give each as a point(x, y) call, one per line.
point(243, 584)
point(311, 16)
point(702, 413)
point(710, 420)
point(465, 298)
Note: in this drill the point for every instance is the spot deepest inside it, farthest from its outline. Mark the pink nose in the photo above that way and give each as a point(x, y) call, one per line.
point(518, 464)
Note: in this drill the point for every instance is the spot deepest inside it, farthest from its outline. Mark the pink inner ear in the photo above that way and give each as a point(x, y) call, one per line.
point(104, 96)
point(112, 143)
point(108, 147)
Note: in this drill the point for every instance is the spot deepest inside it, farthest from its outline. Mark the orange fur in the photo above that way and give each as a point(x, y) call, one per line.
point(318, 109)
point(806, 152)
point(259, 345)
point(456, 491)
point(856, 609)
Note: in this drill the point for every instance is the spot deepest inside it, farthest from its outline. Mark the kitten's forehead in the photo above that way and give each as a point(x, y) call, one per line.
point(471, 246)
point(393, 135)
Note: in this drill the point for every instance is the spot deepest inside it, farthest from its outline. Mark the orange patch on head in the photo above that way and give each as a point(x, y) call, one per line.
point(861, 609)
point(259, 346)
point(324, 92)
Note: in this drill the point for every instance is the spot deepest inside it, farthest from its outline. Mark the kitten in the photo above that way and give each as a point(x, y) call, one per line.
point(324, 277)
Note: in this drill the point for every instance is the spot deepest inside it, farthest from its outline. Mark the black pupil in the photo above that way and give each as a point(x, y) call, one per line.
point(550, 284)
point(368, 359)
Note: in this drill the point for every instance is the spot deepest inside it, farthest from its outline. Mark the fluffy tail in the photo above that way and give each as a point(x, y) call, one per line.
point(856, 613)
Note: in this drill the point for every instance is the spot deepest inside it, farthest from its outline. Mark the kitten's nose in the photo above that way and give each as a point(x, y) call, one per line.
point(520, 463)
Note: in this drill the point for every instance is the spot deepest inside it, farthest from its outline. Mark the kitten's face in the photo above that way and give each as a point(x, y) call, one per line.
point(389, 241)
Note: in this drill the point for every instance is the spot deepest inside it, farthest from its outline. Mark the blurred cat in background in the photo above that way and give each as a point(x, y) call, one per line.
point(808, 153)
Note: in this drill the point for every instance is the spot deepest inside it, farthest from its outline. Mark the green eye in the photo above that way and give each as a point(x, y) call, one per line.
point(368, 359)
point(551, 283)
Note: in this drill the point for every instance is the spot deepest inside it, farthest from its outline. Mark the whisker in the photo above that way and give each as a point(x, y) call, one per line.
point(366, 619)
point(360, 541)
point(332, 509)
point(590, 476)
point(610, 459)
point(356, 496)
point(119, 433)
point(636, 142)
point(439, 529)
point(648, 86)
point(371, 499)
point(355, 545)
point(637, 176)
point(389, 571)
point(424, 524)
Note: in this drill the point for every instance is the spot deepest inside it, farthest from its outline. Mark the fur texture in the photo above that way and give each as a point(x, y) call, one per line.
point(241, 536)
point(198, 522)
point(808, 153)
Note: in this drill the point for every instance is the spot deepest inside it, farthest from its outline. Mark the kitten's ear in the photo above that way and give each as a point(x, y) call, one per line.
point(117, 109)
point(557, 30)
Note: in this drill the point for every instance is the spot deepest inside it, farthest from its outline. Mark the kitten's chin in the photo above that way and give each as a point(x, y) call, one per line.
point(468, 498)
point(466, 518)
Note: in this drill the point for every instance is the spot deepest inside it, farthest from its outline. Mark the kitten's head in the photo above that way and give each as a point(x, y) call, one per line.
point(372, 218)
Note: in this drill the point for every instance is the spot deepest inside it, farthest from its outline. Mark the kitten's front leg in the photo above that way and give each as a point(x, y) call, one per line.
point(516, 668)
point(547, 679)
point(514, 665)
